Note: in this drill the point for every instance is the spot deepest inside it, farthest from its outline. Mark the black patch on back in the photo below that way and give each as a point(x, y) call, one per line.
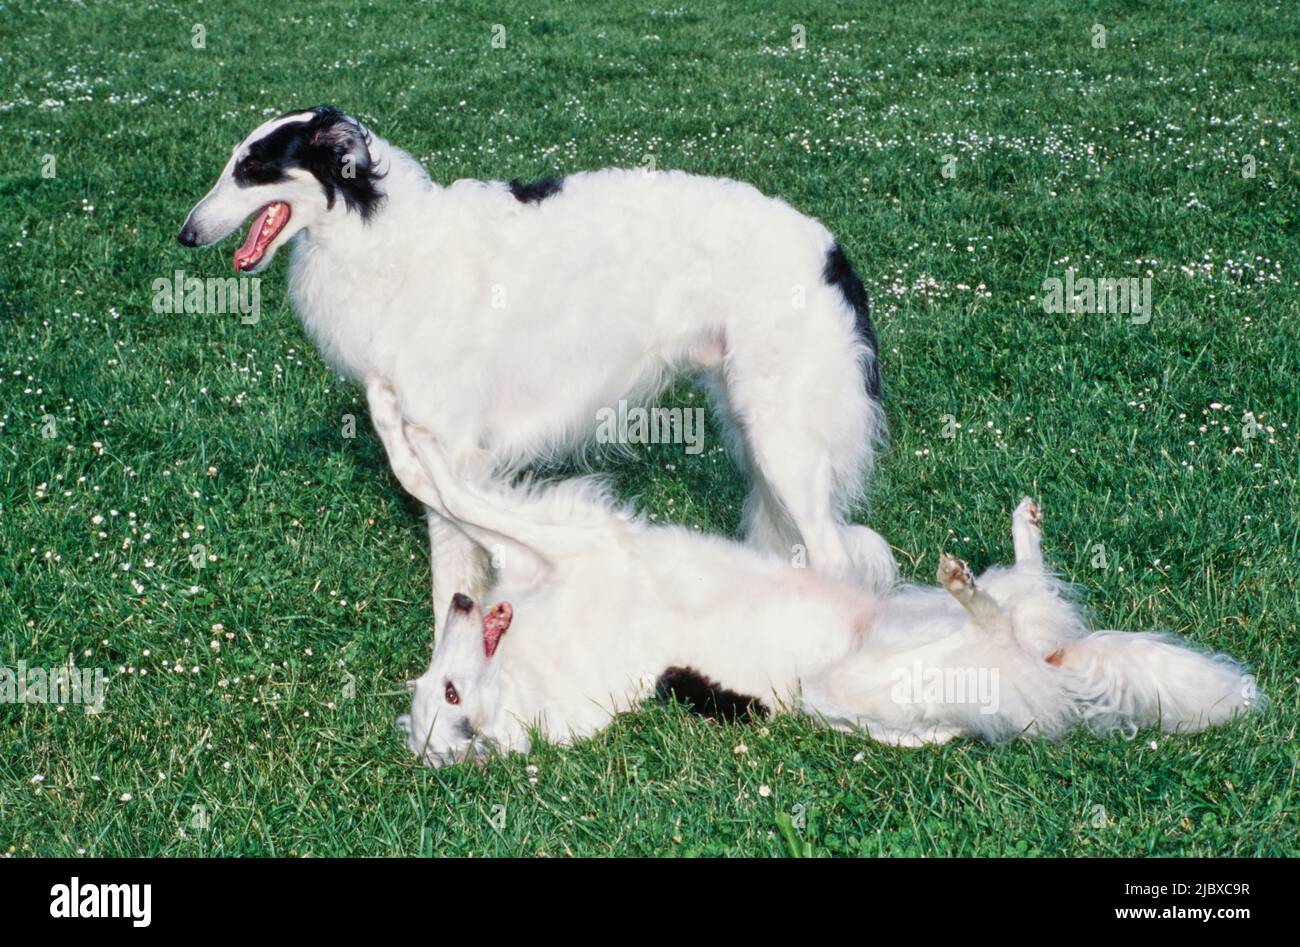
point(330, 145)
point(534, 192)
point(839, 273)
point(707, 698)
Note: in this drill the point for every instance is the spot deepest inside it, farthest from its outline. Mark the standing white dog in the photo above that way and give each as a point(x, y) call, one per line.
point(508, 316)
point(610, 610)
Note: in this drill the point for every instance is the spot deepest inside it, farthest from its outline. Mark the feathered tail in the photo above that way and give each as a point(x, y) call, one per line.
point(1130, 680)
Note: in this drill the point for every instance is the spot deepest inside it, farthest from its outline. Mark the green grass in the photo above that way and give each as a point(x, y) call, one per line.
point(231, 435)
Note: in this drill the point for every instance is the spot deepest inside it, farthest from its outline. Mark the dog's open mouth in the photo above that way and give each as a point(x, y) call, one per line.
point(268, 223)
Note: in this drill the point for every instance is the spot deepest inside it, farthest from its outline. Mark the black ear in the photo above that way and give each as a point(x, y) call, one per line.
point(338, 154)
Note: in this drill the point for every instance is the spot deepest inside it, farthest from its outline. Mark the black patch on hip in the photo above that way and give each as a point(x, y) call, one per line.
point(706, 697)
point(839, 273)
point(534, 192)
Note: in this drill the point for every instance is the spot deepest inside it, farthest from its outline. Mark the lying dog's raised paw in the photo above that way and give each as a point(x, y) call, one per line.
point(1029, 511)
point(955, 576)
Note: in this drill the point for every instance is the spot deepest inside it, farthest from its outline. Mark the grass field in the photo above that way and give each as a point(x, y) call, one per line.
point(250, 703)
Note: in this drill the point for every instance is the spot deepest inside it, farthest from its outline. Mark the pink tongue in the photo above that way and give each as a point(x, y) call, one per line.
point(495, 624)
point(248, 253)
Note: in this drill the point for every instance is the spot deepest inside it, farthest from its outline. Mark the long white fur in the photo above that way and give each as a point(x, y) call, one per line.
point(603, 603)
point(505, 326)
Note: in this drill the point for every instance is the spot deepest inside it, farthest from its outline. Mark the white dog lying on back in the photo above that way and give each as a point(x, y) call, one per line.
point(613, 610)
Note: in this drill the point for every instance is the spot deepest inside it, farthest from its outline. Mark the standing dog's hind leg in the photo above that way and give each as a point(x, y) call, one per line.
point(955, 576)
point(803, 416)
point(1027, 535)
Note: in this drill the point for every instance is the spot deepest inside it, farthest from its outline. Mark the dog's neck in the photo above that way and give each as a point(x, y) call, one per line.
point(402, 174)
point(401, 178)
point(506, 723)
point(343, 269)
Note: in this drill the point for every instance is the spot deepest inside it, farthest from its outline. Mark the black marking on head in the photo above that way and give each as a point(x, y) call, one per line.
point(465, 729)
point(839, 273)
point(707, 698)
point(534, 192)
point(333, 147)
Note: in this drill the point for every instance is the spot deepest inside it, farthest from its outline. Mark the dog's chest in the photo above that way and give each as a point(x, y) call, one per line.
point(342, 313)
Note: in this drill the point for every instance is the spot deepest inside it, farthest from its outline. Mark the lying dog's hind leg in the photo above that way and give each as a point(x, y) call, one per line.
point(955, 576)
point(1027, 535)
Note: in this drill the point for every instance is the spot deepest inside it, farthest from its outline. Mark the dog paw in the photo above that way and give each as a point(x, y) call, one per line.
point(955, 576)
point(1029, 512)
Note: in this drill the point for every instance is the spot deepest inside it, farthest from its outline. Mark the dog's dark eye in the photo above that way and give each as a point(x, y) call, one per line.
point(453, 696)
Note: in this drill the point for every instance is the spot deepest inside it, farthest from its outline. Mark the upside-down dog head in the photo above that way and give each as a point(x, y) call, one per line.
point(294, 172)
point(459, 695)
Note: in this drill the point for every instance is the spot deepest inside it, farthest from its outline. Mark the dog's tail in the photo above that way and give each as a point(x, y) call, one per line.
point(1130, 680)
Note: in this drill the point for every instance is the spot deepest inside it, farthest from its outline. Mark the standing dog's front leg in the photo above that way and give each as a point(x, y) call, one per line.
point(457, 562)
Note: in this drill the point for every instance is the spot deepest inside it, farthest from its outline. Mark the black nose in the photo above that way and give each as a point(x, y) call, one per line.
point(188, 237)
point(462, 603)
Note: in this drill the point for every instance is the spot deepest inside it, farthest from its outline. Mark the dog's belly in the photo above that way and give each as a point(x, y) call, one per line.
point(490, 395)
point(485, 392)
